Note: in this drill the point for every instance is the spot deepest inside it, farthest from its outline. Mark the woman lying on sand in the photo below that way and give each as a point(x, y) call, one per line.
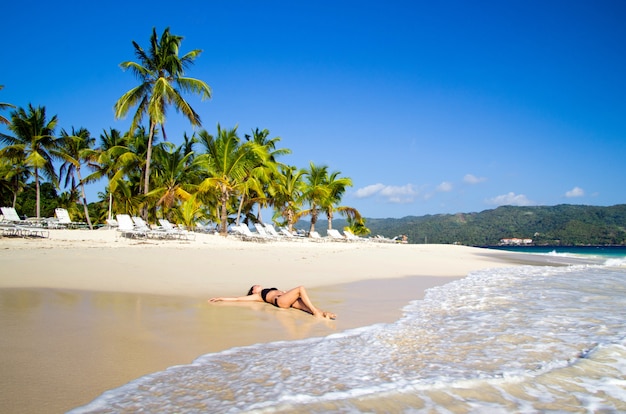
point(296, 298)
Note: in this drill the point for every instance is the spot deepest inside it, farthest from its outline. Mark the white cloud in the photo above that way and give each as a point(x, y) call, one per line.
point(472, 179)
point(393, 194)
point(510, 199)
point(444, 187)
point(369, 190)
point(575, 192)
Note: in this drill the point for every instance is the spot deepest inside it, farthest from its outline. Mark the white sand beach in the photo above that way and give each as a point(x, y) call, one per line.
point(85, 311)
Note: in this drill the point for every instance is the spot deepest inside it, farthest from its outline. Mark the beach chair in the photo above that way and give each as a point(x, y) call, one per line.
point(315, 236)
point(10, 215)
point(176, 232)
point(287, 235)
point(243, 231)
point(382, 239)
point(15, 226)
point(127, 228)
point(63, 217)
point(208, 228)
point(260, 229)
point(53, 223)
point(335, 235)
point(351, 237)
point(112, 223)
point(5, 230)
point(156, 232)
point(166, 226)
point(269, 228)
point(8, 228)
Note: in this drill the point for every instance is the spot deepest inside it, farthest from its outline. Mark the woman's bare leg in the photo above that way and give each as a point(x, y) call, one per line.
point(298, 298)
point(299, 304)
point(295, 295)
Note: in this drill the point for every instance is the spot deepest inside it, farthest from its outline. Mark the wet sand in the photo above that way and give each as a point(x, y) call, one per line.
point(84, 312)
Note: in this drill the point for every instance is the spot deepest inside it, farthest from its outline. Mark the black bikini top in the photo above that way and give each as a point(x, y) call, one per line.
point(264, 293)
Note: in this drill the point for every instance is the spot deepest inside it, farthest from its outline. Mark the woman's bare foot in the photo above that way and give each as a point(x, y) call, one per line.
point(329, 315)
point(325, 315)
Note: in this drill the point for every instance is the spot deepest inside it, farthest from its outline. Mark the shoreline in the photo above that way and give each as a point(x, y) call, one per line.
point(86, 313)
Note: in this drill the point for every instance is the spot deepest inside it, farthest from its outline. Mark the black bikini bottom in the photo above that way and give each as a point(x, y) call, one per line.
point(264, 293)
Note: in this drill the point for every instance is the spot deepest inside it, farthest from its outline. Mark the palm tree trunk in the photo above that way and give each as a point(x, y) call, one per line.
point(37, 203)
point(240, 208)
point(110, 203)
point(16, 191)
point(146, 180)
point(313, 219)
point(290, 220)
point(82, 193)
point(223, 214)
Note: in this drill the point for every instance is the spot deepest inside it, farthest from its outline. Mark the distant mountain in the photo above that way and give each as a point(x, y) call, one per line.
point(564, 225)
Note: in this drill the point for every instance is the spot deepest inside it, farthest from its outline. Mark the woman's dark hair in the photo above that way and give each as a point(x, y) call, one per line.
point(250, 291)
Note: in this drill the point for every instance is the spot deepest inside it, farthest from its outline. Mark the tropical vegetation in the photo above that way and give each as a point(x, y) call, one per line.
point(560, 225)
point(219, 178)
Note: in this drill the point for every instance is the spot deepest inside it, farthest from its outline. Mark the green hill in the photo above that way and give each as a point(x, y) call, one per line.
point(565, 225)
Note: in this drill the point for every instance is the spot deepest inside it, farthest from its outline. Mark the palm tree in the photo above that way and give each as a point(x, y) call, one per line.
point(13, 177)
point(251, 192)
point(125, 200)
point(160, 71)
point(263, 174)
point(76, 149)
point(189, 212)
point(3, 106)
point(315, 191)
point(188, 144)
point(133, 159)
point(337, 187)
point(68, 200)
point(357, 226)
point(228, 163)
point(105, 163)
point(34, 142)
point(175, 177)
point(286, 192)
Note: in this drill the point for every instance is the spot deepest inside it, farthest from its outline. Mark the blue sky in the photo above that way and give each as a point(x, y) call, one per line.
point(430, 107)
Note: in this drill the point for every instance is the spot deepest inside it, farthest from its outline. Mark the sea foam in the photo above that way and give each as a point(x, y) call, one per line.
point(526, 338)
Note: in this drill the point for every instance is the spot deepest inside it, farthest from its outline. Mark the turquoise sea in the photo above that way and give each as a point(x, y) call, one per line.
point(600, 252)
point(524, 339)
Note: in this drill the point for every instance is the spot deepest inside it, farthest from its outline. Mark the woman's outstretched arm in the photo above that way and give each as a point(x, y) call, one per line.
point(248, 298)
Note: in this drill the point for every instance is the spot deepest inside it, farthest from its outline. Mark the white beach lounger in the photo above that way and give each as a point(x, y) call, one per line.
point(260, 229)
point(10, 215)
point(287, 235)
point(315, 236)
point(8, 229)
point(153, 232)
point(15, 226)
point(208, 228)
point(244, 232)
point(127, 228)
point(350, 236)
point(381, 239)
point(112, 223)
point(176, 231)
point(335, 235)
point(269, 228)
point(64, 219)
